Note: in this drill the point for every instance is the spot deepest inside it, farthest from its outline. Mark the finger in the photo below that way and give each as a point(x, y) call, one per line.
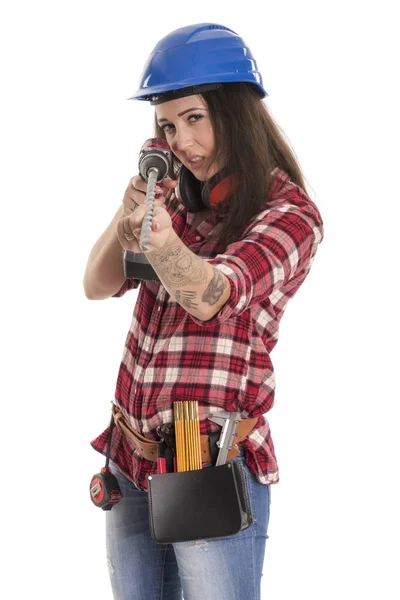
point(159, 191)
point(169, 183)
point(161, 218)
point(136, 218)
point(132, 195)
point(159, 210)
point(159, 197)
point(155, 228)
point(122, 229)
point(138, 183)
point(131, 205)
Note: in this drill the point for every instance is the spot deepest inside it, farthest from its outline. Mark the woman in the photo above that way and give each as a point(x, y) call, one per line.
point(205, 330)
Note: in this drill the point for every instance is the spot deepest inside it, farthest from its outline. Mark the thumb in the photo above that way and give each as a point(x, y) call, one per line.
point(169, 183)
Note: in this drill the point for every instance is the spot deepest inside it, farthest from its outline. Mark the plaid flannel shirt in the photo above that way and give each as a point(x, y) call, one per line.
point(224, 362)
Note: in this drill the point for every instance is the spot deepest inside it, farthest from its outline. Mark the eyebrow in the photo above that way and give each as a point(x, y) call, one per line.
point(183, 113)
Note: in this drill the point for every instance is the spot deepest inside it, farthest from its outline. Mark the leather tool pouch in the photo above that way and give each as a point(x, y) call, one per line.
point(207, 503)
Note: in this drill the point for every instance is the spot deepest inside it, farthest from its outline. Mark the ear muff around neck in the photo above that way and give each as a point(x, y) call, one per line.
point(189, 190)
point(195, 195)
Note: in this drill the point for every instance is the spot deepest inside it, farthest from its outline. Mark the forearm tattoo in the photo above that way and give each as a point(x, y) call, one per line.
point(215, 288)
point(185, 299)
point(178, 267)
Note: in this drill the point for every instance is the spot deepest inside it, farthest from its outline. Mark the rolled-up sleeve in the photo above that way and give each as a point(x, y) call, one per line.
point(281, 243)
point(129, 284)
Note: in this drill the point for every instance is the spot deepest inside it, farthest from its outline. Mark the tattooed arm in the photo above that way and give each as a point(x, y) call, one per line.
point(201, 289)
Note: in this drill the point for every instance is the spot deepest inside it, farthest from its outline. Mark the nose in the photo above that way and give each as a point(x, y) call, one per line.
point(182, 140)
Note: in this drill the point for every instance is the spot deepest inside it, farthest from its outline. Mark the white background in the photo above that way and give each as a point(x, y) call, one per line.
point(69, 145)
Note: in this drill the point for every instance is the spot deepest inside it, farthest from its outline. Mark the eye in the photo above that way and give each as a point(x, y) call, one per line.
point(195, 117)
point(167, 127)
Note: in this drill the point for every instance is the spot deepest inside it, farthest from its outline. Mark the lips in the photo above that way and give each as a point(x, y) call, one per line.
point(195, 162)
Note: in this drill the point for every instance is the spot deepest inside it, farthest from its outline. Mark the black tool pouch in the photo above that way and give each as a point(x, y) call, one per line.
point(207, 503)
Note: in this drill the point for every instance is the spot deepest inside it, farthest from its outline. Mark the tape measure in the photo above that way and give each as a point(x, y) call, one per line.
point(104, 489)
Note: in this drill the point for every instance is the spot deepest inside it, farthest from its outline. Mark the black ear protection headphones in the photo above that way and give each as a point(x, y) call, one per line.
point(191, 192)
point(196, 196)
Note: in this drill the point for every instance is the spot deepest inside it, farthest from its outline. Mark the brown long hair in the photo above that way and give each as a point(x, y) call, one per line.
point(251, 144)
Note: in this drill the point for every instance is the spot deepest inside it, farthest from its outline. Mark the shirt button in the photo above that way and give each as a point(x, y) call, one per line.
point(159, 308)
point(198, 238)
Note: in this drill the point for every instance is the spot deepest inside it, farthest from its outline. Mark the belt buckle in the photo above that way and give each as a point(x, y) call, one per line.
point(167, 434)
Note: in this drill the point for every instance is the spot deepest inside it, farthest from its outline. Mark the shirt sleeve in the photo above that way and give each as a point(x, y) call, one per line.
point(281, 243)
point(129, 284)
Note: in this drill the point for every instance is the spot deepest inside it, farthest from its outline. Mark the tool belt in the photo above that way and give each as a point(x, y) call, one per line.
point(148, 448)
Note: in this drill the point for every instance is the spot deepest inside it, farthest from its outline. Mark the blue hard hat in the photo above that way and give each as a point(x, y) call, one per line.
point(195, 57)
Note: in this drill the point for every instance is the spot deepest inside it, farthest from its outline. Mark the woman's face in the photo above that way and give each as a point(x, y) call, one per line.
point(187, 127)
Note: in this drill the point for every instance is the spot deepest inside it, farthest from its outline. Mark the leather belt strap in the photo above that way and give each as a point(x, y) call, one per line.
point(148, 448)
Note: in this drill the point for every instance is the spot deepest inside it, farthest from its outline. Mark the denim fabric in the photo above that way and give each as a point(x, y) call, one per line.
point(228, 568)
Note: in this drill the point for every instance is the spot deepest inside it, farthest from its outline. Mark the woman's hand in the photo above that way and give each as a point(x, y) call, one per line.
point(135, 209)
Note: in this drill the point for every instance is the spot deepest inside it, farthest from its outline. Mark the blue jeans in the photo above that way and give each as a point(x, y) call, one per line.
point(228, 568)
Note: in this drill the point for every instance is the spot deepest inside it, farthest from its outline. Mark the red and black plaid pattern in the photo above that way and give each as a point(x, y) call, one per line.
point(224, 362)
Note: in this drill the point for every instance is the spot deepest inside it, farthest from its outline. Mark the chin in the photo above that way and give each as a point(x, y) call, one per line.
point(200, 177)
point(204, 175)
